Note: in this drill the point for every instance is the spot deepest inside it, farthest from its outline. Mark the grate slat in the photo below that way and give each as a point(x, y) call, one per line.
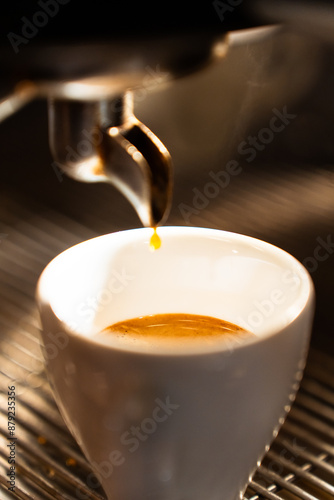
point(302, 472)
point(318, 461)
point(285, 483)
point(314, 423)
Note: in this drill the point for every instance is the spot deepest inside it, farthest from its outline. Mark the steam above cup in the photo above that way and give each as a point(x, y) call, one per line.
point(184, 422)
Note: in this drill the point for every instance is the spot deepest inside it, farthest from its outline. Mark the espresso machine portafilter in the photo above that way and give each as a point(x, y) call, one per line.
point(86, 60)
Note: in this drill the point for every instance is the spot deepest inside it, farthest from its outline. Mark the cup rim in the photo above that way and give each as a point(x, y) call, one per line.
point(211, 233)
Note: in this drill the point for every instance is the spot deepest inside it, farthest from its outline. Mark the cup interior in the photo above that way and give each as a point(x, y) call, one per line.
point(197, 271)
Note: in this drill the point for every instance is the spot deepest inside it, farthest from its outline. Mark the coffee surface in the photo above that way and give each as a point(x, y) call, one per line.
point(174, 328)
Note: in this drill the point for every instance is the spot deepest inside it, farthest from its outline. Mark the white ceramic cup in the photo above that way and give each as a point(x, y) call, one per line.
point(168, 423)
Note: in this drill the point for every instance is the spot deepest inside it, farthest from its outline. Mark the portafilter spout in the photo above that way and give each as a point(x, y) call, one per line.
point(88, 75)
point(103, 141)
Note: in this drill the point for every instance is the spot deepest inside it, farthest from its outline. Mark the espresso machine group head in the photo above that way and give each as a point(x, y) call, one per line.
point(86, 59)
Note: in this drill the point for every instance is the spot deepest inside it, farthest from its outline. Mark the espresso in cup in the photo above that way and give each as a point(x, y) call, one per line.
point(175, 329)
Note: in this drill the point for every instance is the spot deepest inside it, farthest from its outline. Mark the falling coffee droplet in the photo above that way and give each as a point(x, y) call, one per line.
point(155, 241)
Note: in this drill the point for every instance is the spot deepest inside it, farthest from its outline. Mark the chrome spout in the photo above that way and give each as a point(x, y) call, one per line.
point(103, 141)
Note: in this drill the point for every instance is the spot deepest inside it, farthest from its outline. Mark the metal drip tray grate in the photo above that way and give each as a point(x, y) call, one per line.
point(49, 464)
